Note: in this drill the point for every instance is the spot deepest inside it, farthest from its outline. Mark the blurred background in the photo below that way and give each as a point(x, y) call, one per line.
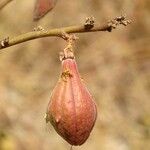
point(115, 67)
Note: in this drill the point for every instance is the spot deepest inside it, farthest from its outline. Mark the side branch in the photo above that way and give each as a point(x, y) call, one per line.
point(3, 3)
point(87, 27)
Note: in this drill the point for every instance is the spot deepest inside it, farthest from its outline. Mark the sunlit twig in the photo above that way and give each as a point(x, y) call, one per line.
point(88, 26)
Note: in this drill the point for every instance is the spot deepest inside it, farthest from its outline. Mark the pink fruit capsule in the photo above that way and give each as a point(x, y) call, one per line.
point(42, 7)
point(71, 110)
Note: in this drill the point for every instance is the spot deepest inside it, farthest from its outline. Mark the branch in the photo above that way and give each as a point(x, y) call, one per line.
point(87, 27)
point(4, 3)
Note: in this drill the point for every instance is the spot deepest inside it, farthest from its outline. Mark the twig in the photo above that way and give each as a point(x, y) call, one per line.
point(108, 26)
point(3, 3)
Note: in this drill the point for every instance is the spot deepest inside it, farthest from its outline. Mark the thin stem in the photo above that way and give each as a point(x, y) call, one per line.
point(108, 26)
point(3, 3)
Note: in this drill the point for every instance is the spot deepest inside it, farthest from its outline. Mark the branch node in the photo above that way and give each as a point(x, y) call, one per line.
point(68, 37)
point(64, 35)
point(121, 20)
point(39, 28)
point(4, 43)
point(89, 23)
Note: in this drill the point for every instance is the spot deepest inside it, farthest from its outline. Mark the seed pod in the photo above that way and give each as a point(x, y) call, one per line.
point(42, 7)
point(71, 109)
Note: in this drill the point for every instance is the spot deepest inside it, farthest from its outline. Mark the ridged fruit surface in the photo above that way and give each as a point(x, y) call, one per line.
point(71, 109)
